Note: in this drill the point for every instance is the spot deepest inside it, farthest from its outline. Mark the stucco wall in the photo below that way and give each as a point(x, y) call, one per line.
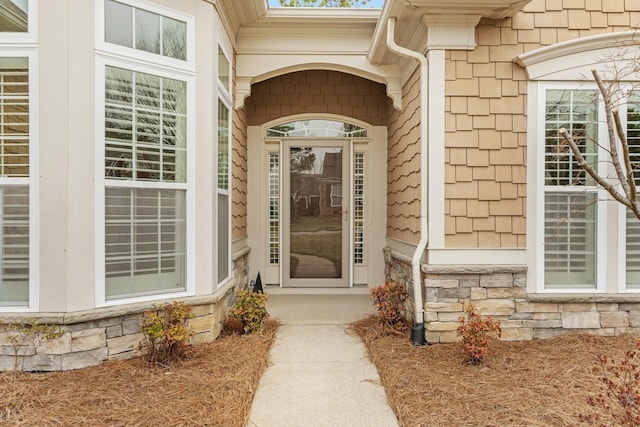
point(403, 165)
point(317, 91)
point(486, 117)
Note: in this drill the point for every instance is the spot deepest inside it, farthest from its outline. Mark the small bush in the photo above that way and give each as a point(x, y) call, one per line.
point(389, 300)
point(167, 332)
point(619, 403)
point(475, 331)
point(251, 309)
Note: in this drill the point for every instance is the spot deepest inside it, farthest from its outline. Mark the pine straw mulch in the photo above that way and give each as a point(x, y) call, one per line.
point(531, 383)
point(214, 386)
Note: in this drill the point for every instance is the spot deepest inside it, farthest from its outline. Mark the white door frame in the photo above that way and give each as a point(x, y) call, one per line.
point(344, 279)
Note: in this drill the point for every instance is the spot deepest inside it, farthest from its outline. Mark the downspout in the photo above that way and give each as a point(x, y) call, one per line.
point(417, 331)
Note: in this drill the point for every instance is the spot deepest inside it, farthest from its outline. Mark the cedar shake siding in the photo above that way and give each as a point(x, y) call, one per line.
point(403, 165)
point(317, 92)
point(486, 117)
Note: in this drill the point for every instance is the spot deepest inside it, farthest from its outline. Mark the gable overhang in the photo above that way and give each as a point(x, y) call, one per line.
point(286, 40)
point(434, 24)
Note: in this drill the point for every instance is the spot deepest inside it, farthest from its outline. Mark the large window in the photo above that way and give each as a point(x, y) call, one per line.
point(145, 177)
point(145, 183)
point(223, 189)
point(577, 247)
point(570, 196)
point(15, 158)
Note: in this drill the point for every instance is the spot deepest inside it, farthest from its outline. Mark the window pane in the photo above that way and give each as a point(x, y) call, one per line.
point(570, 239)
point(358, 208)
point(145, 127)
point(576, 111)
point(633, 224)
point(147, 31)
point(223, 146)
point(633, 131)
point(317, 128)
point(274, 208)
point(633, 250)
point(144, 242)
point(118, 26)
point(14, 117)
point(13, 16)
point(14, 287)
point(223, 237)
point(174, 38)
point(223, 68)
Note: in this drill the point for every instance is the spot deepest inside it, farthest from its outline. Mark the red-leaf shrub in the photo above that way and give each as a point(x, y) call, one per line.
point(475, 331)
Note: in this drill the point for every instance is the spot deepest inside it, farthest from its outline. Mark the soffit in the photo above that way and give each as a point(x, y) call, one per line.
point(415, 17)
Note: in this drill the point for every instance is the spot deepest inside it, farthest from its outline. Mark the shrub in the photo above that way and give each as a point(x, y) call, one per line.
point(251, 309)
point(619, 403)
point(167, 332)
point(475, 331)
point(26, 337)
point(389, 300)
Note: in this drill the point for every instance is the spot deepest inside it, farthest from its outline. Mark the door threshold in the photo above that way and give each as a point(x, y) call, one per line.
point(355, 290)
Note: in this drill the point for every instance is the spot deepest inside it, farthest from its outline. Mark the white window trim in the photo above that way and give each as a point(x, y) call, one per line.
point(537, 146)
point(32, 181)
point(220, 191)
point(222, 90)
point(103, 61)
point(29, 37)
point(151, 59)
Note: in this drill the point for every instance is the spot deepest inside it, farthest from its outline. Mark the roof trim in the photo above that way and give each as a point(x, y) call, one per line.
point(576, 57)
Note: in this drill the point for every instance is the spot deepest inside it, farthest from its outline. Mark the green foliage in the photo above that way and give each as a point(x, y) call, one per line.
point(323, 3)
point(166, 332)
point(251, 309)
point(25, 337)
point(475, 331)
point(389, 301)
point(619, 404)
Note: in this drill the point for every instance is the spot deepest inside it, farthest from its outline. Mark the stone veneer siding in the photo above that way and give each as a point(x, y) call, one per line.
point(93, 336)
point(500, 291)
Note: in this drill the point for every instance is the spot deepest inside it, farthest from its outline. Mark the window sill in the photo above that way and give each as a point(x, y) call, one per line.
point(584, 298)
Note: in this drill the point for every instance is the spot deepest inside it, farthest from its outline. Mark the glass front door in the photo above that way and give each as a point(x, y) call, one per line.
point(316, 214)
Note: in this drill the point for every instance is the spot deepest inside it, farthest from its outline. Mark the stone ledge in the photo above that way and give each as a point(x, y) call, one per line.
point(581, 298)
point(473, 269)
point(115, 311)
point(241, 253)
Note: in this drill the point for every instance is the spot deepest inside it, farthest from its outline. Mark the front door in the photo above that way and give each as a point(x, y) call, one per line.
point(315, 213)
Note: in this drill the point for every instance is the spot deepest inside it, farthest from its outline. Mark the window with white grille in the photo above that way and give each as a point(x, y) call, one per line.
point(570, 224)
point(358, 208)
point(14, 182)
point(145, 179)
point(274, 207)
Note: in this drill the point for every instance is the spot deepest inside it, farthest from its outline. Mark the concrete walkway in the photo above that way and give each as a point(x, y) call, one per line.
point(320, 375)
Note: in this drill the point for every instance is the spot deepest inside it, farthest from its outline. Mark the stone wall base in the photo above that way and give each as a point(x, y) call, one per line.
point(93, 336)
point(500, 291)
